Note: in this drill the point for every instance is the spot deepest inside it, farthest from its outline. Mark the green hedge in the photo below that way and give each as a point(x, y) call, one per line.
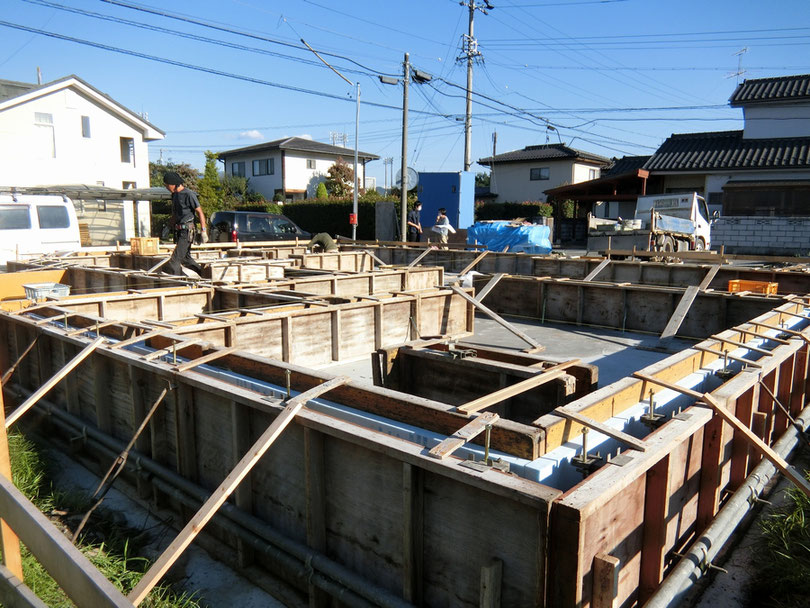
point(510, 211)
point(159, 220)
point(332, 217)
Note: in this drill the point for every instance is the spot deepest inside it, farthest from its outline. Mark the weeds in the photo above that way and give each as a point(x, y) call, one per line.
point(110, 550)
point(783, 566)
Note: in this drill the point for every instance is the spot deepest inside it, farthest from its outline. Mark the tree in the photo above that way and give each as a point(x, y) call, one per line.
point(482, 179)
point(320, 192)
point(340, 179)
point(189, 174)
point(210, 190)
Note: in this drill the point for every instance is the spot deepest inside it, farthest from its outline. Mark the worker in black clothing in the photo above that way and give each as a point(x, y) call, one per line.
point(184, 207)
point(415, 223)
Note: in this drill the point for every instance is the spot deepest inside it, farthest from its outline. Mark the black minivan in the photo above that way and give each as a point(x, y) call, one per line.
point(232, 226)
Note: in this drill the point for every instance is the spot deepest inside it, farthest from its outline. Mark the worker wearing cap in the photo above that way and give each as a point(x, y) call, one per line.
point(184, 207)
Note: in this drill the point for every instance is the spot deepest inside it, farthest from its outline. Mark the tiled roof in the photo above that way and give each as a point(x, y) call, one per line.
point(764, 90)
point(544, 152)
point(302, 145)
point(728, 150)
point(625, 164)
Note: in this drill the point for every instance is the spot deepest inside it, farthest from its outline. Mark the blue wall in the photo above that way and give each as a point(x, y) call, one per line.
point(454, 191)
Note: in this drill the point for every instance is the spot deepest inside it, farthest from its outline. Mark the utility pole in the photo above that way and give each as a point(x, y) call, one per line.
point(403, 186)
point(469, 48)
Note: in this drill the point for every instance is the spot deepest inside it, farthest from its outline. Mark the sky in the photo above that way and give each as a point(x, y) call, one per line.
point(610, 77)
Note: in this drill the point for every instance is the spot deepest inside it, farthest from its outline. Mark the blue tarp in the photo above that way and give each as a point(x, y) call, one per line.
point(498, 235)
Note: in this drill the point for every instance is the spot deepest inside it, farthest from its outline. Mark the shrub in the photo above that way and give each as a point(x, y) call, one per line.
point(320, 192)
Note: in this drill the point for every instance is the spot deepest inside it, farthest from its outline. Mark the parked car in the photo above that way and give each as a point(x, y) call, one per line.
point(35, 224)
point(232, 226)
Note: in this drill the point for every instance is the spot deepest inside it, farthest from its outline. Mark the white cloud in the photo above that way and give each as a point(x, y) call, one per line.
point(252, 134)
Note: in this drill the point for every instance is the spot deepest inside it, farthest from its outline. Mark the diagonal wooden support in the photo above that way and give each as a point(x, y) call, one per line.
point(669, 385)
point(14, 365)
point(515, 389)
point(465, 434)
point(53, 381)
point(473, 264)
point(419, 258)
point(593, 273)
point(229, 484)
point(756, 349)
point(704, 284)
point(616, 434)
point(158, 265)
point(141, 337)
point(760, 446)
point(488, 287)
point(497, 318)
point(375, 258)
point(679, 315)
point(217, 354)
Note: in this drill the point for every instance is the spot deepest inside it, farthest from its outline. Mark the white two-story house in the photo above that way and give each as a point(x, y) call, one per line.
point(523, 175)
point(293, 166)
point(67, 132)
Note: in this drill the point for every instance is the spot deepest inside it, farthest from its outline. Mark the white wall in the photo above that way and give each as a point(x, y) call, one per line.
point(512, 183)
point(266, 185)
point(776, 121)
point(26, 161)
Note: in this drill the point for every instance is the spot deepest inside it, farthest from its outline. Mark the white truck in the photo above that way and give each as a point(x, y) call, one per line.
point(662, 222)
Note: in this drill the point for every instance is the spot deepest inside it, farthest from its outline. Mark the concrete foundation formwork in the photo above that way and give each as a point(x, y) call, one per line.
point(524, 515)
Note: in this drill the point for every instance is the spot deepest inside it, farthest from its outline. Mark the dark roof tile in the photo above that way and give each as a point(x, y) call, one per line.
point(770, 90)
point(544, 152)
point(728, 150)
point(302, 145)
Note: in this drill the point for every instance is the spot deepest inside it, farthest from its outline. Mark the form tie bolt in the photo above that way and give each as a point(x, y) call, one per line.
point(287, 373)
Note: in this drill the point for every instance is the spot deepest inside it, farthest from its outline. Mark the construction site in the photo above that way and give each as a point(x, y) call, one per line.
point(391, 425)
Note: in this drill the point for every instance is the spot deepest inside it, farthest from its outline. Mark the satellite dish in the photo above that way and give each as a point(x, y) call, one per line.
point(413, 179)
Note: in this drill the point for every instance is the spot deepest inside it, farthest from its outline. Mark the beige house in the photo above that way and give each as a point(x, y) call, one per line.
point(523, 175)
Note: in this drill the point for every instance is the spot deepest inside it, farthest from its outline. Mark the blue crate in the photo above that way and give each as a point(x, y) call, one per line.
point(38, 291)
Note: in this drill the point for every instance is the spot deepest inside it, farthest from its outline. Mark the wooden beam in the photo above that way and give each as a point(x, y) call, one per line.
point(474, 263)
point(669, 385)
point(14, 365)
point(497, 318)
point(221, 494)
point(419, 258)
point(704, 284)
point(505, 393)
point(760, 446)
point(600, 427)
point(53, 381)
point(491, 580)
point(764, 337)
point(175, 347)
point(72, 571)
point(466, 433)
point(488, 287)
point(217, 354)
point(721, 355)
point(375, 258)
point(791, 332)
point(141, 337)
point(742, 345)
point(593, 273)
point(605, 580)
point(9, 542)
point(681, 310)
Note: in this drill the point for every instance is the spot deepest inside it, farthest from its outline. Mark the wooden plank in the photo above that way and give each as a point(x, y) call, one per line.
point(605, 580)
point(14, 365)
point(495, 317)
point(616, 434)
point(788, 471)
point(721, 354)
point(221, 494)
point(14, 593)
point(9, 542)
point(791, 332)
point(656, 499)
point(375, 258)
point(592, 275)
point(474, 263)
point(491, 580)
point(488, 287)
point(217, 354)
point(675, 321)
point(74, 573)
point(505, 393)
point(176, 347)
point(743, 345)
point(419, 258)
point(141, 337)
point(669, 385)
point(463, 435)
point(53, 381)
point(704, 284)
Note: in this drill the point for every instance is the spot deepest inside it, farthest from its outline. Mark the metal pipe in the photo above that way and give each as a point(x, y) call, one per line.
point(324, 570)
point(691, 566)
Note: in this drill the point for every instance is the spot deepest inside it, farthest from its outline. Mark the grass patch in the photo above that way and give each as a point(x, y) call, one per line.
point(783, 562)
point(107, 544)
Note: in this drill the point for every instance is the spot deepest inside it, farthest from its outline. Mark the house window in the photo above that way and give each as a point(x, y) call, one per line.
point(53, 217)
point(538, 173)
point(127, 185)
point(45, 136)
point(127, 150)
point(238, 169)
point(310, 163)
point(593, 173)
point(86, 126)
point(263, 167)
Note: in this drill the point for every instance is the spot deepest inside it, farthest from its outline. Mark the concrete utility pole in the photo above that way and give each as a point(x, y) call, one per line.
point(403, 186)
point(469, 48)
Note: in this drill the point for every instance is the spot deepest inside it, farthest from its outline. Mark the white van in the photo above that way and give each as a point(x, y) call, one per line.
point(35, 224)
